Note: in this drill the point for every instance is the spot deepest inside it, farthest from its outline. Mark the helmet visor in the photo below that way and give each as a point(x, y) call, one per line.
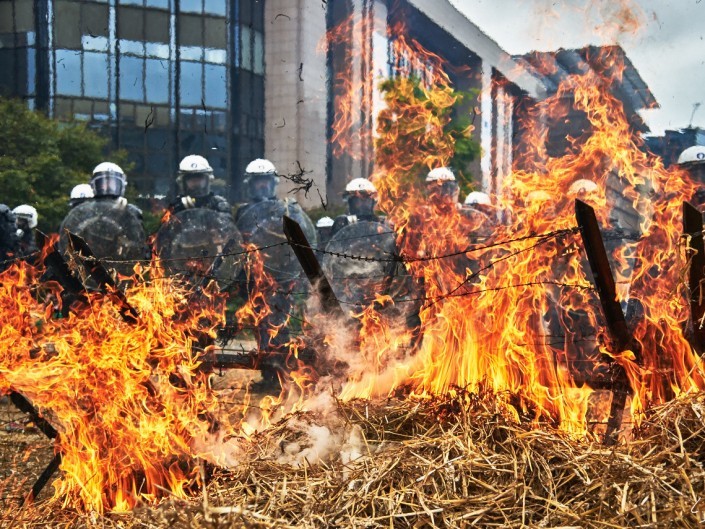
point(442, 189)
point(361, 204)
point(108, 184)
point(261, 187)
point(196, 184)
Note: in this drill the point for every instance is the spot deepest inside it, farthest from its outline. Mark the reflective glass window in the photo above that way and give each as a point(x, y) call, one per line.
point(156, 81)
point(191, 83)
point(191, 53)
point(160, 51)
point(258, 66)
point(216, 86)
point(94, 43)
point(163, 4)
point(132, 47)
point(245, 48)
point(94, 79)
point(215, 7)
point(130, 2)
point(216, 56)
point(192, 6)
point(68, 72)
point(131, 84)
point(31, 71)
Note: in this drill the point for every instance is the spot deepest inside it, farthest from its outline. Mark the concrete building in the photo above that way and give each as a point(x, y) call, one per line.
point(303, 63)
point(161, 78)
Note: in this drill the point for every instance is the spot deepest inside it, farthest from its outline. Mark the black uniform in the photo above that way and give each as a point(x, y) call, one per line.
point(9, 243)
point(210, 201)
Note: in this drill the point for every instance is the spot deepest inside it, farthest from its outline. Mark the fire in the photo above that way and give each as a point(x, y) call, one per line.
point(517, 313)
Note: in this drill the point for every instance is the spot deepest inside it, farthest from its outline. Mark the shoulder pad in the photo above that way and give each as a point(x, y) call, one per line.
point(134, 210)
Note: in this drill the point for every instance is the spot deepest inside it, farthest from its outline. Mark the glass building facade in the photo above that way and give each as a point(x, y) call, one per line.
point(161, 78)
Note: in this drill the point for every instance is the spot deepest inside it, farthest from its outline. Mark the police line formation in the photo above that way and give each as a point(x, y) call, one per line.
point(199, 237)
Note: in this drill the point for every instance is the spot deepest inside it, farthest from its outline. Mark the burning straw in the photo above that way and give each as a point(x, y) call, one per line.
point(459, 461)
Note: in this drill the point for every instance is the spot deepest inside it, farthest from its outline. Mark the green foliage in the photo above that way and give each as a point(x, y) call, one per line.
point(41, 160)
point(426, 127)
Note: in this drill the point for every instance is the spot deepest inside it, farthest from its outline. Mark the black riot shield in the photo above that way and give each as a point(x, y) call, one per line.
point(200, 244)
point(110, 229)
point(261, 224)
point(356, 280)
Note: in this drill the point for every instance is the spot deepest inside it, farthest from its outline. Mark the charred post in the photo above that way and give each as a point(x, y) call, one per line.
point(95, 269)
point(614, 316)
point(306, 256)
point(693, 226)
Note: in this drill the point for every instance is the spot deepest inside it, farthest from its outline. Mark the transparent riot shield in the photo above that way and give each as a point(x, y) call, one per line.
point(200, 244)
point(261, 224)
point(111, 230)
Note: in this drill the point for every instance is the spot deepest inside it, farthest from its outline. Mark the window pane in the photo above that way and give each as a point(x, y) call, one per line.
point(216, 56)
point(258, 66)
point(94, 43)
point(132, 2)
point(160, 51)
point(68, 72)
point(245, 48)
point(31, 71)
point(94, 67)
point(216, 86)
point(191, 6)
point(163, 4)
point(157, 81)
point(191, 53)
point(215, 7)
point(131, 78)
point(191, 83)
point(132, 47)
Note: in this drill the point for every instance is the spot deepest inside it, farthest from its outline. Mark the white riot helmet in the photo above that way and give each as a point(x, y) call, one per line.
point(261, 179)
point(581, 187)
point(692, 155)
point(478, 197)
point(440, 174)
point(324, 222)
point(441, 184)
point(80, 193)
point(26, 216)
point(361, 197)
point(108, 180)
point(195, 176)
point(479, 201)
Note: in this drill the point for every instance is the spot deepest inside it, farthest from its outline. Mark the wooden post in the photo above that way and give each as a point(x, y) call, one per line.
point(306, 256)
point(614, 316)
point(693, 226)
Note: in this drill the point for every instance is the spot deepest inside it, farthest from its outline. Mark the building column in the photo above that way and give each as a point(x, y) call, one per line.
point(486, 126)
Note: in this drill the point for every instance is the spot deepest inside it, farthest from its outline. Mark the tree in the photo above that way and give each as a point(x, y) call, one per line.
point(41, 160)
point(426, 127)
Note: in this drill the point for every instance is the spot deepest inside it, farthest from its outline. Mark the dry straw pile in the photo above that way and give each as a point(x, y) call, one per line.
point(453, 462)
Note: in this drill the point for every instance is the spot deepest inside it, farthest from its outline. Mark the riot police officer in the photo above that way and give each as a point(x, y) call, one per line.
point(193, 182)
point(26, 219)
point(9, 244)
point(324, 230)
point(260, 222)
point(361, 198)
point(442, 190)
point(692, 160)
point(111, 226)
point(79, 194)
point(198, 239)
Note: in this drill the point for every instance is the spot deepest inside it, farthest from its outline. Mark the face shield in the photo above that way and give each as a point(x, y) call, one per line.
point(108, 184)
point(261, 187)
point(360, 203)
point(196, 184)
point(442, 191)
point(22, 223)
